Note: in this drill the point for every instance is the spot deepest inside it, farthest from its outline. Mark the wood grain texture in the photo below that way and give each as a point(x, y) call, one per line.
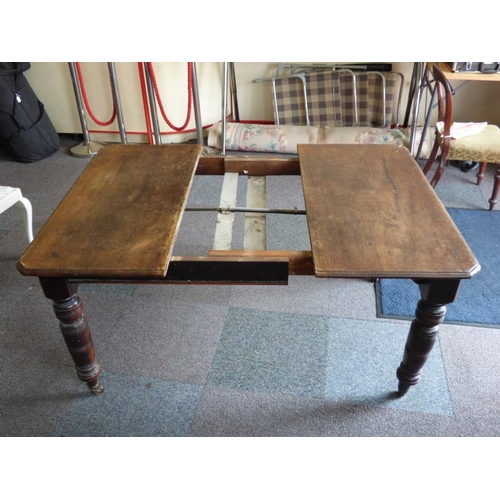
point(372, 213)
point(120, 218)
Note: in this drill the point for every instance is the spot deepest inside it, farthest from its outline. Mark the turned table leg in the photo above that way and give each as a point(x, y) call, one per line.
point(430, 312)
point(69, 310)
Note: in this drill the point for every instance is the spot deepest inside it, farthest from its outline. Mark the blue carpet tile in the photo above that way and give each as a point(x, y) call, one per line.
point(477, 299)
point(340, 360)
point(271, 352)
point(362, 361)
point(133, 406)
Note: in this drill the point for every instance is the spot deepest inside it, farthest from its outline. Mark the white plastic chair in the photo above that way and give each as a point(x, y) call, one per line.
point(11, 196)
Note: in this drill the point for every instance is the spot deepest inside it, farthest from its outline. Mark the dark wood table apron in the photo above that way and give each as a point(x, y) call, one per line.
point(371, 214)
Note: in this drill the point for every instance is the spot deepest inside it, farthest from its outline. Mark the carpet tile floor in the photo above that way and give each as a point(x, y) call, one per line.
point(308, 359)
point(270, 355)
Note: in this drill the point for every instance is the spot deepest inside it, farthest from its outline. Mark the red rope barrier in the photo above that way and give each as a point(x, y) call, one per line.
point(86, 101)
point(190, 96)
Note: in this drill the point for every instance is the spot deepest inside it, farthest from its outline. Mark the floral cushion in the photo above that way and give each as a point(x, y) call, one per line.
point(284, 138)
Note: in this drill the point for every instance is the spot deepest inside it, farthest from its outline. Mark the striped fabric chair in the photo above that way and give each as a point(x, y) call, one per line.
point(340, 98)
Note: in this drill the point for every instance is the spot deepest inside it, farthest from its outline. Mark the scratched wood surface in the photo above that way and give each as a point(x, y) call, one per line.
point(372, 213)
point(121, 217)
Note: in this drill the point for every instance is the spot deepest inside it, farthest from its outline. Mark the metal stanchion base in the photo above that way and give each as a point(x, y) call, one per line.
point(86, 149)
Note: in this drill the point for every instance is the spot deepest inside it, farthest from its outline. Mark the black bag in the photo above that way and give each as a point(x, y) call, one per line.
point(26, 132)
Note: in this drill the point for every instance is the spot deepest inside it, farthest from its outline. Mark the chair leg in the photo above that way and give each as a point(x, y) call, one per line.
point(496, 189)
point(26, 211)
point(439, 171)
point(480, 174)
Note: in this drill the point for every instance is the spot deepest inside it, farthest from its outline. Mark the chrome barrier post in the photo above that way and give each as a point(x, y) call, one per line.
point(116, 97)
point(152, 105)
point(420, 75)
point(234, 104)
point(196, 102)
point(88, 148)
point(224, 108)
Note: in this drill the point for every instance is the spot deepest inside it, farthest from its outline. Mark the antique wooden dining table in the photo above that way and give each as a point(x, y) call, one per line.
point(370, 212)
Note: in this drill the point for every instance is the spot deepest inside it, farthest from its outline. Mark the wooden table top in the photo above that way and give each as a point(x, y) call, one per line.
point(121, 217)
point(372, 213)
point(370, 210)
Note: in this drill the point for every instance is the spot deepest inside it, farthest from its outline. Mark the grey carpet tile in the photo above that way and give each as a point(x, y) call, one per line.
point(174, 340)
point(10, 277)
point(34, 396)
point(472, 355)
point(458, 189)
point(206, 191)
point(110, 289)
point(58, 172)
point(287, 232)
point(471, 361)
point(13, 239)
point(31, 333)
point(311, 295)
point(196, 233)
point(285, 191)
point(217, 295)
point(228, 412)
point(283, 231)
point(10, 218)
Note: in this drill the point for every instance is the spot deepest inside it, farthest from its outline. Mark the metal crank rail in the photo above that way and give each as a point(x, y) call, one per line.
point(360, 227)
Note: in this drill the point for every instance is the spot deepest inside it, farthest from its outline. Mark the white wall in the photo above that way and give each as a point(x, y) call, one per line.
point(53, 85)
point(475, 101)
